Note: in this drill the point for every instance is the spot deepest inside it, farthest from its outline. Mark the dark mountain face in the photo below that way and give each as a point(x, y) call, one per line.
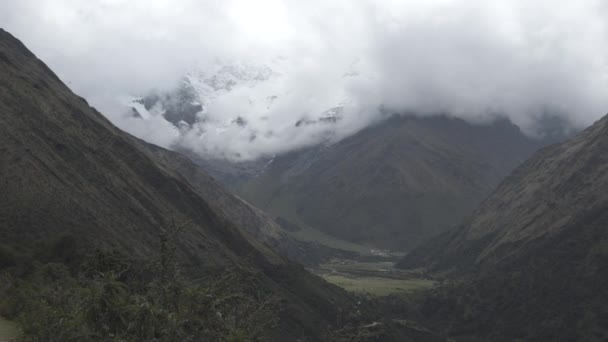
point(252, 220)
point(561, 186)
point(66, 170)
point(535, 250)
point(394, 184)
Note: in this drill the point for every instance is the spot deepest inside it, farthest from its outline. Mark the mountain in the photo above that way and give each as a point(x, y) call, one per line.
point(237, 112)
point(388, 186)
point(192, 101)
point(188, 103)
point(247, 217)
point(391, 185)
point(535, 251)
point(68, 175)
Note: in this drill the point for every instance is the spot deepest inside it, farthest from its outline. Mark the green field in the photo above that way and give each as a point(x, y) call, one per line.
point(8, 330)
point(378, 286)
point(352, 266)
point(379, 278)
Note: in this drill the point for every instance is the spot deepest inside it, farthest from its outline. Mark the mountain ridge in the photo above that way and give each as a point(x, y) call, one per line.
point(67, 171)
point(537, 200)
point(393, 184)
point(531, 263)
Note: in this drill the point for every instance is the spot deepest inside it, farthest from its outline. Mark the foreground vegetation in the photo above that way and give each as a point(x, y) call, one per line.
point(57, 294)
point(108, 297)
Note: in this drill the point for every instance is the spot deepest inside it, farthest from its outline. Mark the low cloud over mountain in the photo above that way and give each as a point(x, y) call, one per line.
point(472, 59)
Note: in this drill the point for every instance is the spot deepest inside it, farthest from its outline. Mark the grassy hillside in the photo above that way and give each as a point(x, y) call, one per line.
point(531, 263)
point(392, 185)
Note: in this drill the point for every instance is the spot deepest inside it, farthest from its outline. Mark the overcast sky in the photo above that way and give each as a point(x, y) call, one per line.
point(472, 59)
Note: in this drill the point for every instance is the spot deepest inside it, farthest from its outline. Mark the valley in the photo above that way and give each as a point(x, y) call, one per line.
point(289, 201)
point(362, 269)
point(391, 185)
point(377, 278)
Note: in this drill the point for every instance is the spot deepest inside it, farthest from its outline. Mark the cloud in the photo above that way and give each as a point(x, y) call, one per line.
point(471, 59)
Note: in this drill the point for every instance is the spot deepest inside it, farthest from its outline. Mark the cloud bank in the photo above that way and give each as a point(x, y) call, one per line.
point(471, 59)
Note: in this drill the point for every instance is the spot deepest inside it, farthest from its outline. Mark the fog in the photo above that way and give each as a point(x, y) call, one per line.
point(471, 59)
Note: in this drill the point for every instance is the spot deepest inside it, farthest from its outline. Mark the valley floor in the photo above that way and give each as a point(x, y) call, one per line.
point(370, 271)
point(379, 278)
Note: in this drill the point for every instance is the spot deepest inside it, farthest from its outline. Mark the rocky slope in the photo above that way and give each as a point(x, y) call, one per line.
point(535, 251)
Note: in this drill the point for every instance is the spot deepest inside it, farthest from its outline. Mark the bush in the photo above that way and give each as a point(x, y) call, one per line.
point(105, 298)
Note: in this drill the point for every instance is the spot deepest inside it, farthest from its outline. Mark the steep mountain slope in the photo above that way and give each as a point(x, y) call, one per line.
point(245, 216)
point(561, 186)
point(538, 247)
point(394, 184)
point(67, 171)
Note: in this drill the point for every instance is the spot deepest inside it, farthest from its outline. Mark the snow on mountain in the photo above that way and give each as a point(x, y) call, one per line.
point(242, 111)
